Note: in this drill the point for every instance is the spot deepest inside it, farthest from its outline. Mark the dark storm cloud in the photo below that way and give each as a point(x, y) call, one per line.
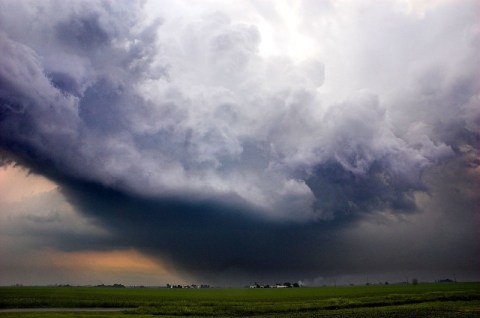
point(181, 139)
point(209, 238)
point(344, 194)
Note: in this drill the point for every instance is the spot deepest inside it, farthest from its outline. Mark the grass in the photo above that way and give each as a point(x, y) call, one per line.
point(423, 300)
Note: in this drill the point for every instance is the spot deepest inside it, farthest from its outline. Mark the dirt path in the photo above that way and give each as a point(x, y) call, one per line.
point(19, 310)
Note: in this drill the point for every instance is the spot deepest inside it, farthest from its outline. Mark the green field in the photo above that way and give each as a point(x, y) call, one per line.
point(423, 300)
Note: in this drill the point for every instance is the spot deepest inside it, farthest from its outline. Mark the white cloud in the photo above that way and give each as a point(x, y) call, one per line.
point(167, 98)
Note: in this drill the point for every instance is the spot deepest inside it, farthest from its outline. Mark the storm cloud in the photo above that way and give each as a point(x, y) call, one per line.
point(193, 133)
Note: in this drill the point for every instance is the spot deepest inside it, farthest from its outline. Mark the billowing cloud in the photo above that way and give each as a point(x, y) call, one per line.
point(192, 131)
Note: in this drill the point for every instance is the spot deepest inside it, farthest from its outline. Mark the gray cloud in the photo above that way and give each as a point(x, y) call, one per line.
point(183, 120)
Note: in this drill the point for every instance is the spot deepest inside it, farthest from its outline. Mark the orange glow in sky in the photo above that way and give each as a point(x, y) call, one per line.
point(16, 184)
point(116, 260)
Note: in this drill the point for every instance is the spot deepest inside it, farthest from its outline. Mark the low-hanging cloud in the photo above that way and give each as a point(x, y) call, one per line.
point(185, 121)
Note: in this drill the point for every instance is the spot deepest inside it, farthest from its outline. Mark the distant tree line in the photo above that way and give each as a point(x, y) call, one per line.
point(276, 285)
point(111, 286)
point(188, 286)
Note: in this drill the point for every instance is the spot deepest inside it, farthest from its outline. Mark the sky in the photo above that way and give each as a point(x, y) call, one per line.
point(227, 142)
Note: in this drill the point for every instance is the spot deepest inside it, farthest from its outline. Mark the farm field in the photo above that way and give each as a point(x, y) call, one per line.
point(423, 300)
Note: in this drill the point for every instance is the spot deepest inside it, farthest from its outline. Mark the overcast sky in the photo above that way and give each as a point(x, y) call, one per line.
point(227, 142)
